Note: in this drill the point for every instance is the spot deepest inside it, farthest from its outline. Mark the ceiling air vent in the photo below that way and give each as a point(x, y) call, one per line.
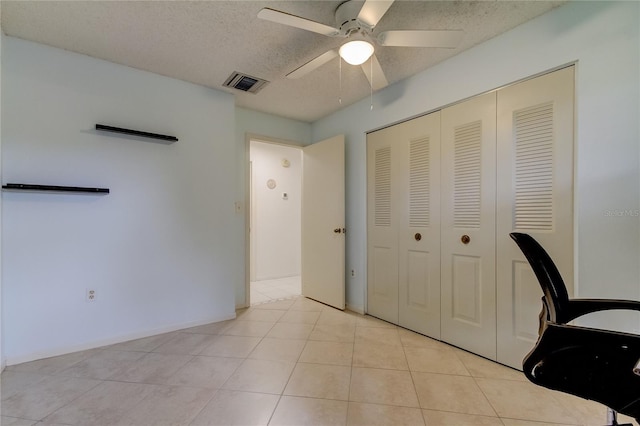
point(245, 82)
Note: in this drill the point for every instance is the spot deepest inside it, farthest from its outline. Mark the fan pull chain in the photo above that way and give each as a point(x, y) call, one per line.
point(371, 84)
point(340, 91)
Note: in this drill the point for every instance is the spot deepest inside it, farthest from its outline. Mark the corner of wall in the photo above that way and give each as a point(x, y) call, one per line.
point(2, 358)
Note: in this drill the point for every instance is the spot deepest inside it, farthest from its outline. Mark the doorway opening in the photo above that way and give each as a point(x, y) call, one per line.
point(275, 204)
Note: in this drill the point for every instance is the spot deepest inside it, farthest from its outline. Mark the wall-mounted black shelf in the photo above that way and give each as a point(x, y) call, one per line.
point(24, 187)
point(105, 128)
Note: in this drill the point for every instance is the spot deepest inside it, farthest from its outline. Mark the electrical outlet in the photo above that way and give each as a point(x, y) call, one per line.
point(91, 295)
point(353, 273)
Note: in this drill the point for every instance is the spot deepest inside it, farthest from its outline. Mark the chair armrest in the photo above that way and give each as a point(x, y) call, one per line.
point(579, 307)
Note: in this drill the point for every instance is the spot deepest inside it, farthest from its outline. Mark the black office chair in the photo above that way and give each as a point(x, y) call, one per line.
point(594, 364)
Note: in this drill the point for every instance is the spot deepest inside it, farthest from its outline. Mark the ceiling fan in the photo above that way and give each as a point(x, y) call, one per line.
point(356, 23)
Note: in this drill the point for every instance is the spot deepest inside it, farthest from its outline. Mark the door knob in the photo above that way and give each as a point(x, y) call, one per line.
point(465, 239)
point(418, 236)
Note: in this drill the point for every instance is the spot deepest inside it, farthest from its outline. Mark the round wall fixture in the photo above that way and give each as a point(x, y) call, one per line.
point(271, 184)
point(285, 163)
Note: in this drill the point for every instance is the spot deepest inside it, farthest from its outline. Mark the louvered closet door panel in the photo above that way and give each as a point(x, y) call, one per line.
point(468, 210)
point(382, 226)
point(418, 143)
point(535, 196)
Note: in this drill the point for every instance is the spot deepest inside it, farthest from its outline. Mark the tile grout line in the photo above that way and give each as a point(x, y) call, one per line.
point(293, 307)
point(288, 379)
point(413, 382)
point(353, 352)
point(475, 381)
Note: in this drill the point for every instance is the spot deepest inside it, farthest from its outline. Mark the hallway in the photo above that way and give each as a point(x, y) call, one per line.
point(276, 289)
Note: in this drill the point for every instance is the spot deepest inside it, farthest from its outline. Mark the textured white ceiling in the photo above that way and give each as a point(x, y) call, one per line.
point(204, 41)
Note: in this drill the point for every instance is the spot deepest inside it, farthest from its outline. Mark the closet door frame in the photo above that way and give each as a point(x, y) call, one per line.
point(502, 249)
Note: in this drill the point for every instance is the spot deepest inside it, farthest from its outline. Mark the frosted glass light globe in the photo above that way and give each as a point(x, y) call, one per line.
point(356, 52)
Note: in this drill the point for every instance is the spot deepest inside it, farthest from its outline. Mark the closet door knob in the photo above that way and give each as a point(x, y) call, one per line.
point(418, 236)
point(465, 239)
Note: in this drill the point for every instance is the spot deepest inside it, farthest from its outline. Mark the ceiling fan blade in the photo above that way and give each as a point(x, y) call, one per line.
point(378, 80)
point(312, 64)
point(373, 10)
point(296, 21)
point(446, 39)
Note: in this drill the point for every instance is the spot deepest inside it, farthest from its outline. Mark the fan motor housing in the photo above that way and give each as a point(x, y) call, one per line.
point(347, 17)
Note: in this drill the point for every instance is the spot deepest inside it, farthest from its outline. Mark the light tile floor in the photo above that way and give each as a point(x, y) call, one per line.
point(290, 362)
point(275, 289)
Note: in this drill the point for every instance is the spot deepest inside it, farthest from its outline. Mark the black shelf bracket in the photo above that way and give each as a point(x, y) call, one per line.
point(24, 187)
point(105, 128)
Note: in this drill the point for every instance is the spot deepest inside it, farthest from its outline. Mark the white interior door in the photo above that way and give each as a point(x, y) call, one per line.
point(535, 193)
point(418, 141)
point(323, 223)
point(252, 233)
point(468, 225)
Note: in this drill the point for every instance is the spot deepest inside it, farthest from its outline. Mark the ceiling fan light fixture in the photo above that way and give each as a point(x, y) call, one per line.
point(356, 52)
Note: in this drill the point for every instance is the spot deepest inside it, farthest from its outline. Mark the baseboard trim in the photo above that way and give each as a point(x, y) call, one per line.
point(64, 350)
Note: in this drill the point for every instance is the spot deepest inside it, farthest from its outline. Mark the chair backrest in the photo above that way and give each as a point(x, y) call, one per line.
point(555, 292)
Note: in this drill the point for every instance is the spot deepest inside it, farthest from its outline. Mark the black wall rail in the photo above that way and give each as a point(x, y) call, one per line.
point(53, 188)
point(105, 128)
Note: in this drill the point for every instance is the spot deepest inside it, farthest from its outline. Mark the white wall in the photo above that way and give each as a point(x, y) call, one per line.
point(160, 249)
point(2, 358)
point(275, 224)
point(268, 127)
point(604, 39)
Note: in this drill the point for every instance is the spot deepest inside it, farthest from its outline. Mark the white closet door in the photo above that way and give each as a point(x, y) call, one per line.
point(468, 225)
point(382, 226)
point(418, 143)
point(535, 194)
